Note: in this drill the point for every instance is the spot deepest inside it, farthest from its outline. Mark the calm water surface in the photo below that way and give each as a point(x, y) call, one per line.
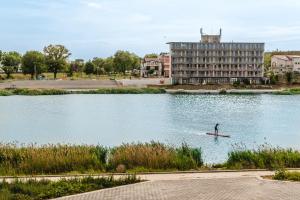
point(113, 119)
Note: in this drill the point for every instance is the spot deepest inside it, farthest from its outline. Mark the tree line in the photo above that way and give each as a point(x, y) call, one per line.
point(54, 58)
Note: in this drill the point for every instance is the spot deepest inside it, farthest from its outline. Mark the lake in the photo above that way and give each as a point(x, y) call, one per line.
point(111, 120)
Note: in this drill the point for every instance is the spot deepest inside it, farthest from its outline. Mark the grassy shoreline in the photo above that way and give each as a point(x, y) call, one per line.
point(150, 90)
point(64, 159)
point(132, 158)
point(40, 92)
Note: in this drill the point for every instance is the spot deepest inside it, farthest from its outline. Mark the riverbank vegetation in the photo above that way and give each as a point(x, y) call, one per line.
point(264, 157)
point(153, 156)
point(38, 92)
point(60, 159)
point(284, 175)
point(292, 91)
point(45, 189)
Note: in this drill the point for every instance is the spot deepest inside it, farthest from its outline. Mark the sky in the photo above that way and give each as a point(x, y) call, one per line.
point(98, 28)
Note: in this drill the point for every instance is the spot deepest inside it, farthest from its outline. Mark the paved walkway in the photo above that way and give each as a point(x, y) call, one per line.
point(60, 84)
point(208, 186)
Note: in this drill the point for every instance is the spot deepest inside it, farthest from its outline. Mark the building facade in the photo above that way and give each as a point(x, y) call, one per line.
point(213, 61)
point(165, 60)
point(151, 67)
point(281, 64)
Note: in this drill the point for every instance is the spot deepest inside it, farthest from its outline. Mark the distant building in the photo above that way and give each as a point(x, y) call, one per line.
point(165, 59)
point(151, 67)
point(213, 61)
point(280, 64)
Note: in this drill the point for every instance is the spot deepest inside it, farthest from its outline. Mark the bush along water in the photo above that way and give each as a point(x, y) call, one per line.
point(265, 157)
point(38, 92)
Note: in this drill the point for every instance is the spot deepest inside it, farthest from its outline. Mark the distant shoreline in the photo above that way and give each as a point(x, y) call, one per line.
point(230, 91)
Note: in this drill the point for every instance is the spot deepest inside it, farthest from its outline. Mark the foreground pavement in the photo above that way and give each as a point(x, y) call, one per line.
point(195, 186)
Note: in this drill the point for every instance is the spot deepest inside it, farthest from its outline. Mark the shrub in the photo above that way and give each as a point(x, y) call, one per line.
point(45, 189)
point(264, 157)
point(223, 91)
point(285, 175)
point(237, 83)
point(246, 81)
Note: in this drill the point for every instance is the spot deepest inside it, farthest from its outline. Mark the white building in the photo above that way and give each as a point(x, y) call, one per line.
point(281, 64)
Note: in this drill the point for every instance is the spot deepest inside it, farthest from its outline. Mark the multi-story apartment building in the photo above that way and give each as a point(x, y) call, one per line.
point(213, 61)
point(280, 64)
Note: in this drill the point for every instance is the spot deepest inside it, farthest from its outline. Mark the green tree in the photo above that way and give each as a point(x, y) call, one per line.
point(289, 77)
point(151, 55)
point(273, 78)
point(109, 65)
point(10, 61)
point(89, 68)
point(136, 61)
point(56, 58)
point(33, 63)
point(99, 65)
point(267, 62)
point(124, 61)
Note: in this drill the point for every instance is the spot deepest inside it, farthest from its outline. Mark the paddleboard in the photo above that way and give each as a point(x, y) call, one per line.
point(218, 135)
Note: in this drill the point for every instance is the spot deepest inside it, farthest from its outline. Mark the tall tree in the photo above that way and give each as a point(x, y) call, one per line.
point(56, 57)
point(10, 61)
point(151, 55)
point(89, 68)
point(289, 77)
point(109, 65)
point(136, 61)
point(99, 65)
point(33, 63)
point(124, 60)
point(267, 63)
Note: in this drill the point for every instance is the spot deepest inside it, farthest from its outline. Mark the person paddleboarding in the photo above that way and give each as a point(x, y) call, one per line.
point(217, 129)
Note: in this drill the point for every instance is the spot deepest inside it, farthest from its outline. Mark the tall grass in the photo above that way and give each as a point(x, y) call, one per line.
point(57, 159)
point(265, 157)
point(155, 156)
point(45, 189)
point(50, 159)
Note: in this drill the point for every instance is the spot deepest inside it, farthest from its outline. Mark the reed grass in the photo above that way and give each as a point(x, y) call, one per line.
point(155, 156)
point(50, 159)
point(60, 159)
point(265, 157)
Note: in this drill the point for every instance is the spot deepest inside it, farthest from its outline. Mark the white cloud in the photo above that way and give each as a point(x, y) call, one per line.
point(95, 5)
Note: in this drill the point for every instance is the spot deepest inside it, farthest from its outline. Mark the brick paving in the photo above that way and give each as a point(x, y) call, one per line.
point(238, 188)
